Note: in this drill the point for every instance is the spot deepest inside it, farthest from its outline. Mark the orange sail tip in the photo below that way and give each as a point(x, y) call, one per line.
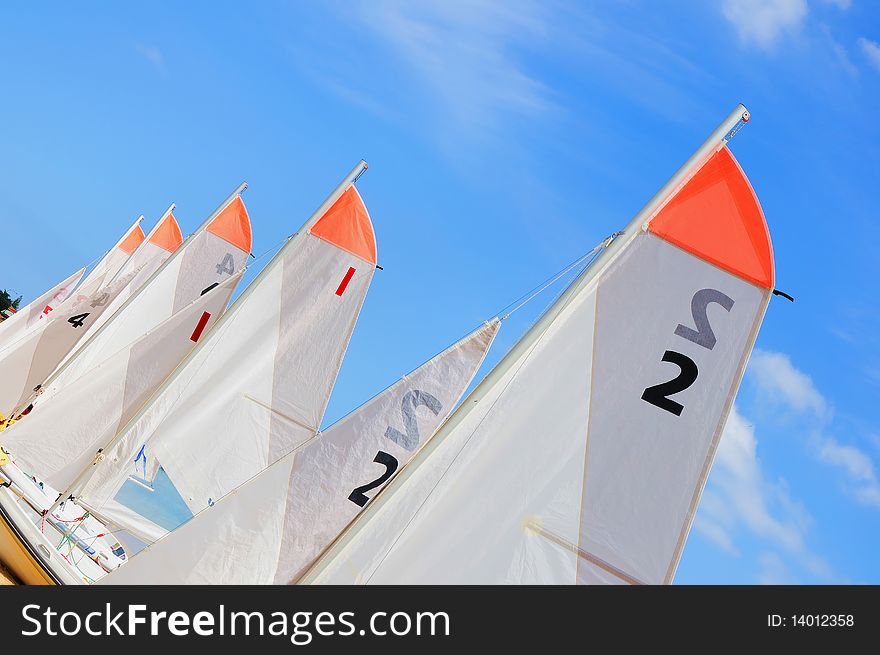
point(716, 216)
point(233, 225)
point(167, 235)
point(347, 225)
point(132, 240)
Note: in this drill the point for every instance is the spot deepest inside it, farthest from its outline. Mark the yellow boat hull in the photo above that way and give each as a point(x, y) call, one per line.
point(18, 558)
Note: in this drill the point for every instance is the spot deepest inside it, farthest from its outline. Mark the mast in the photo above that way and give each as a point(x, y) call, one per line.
point(85, 474)
point(716, 140)
point(146, 240)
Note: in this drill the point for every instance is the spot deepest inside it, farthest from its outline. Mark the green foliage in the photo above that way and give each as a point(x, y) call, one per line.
point(6, 300)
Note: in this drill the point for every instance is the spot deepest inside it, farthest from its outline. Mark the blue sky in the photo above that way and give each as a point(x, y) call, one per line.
point(504, 141)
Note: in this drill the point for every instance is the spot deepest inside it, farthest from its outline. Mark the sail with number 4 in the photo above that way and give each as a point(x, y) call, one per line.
point(65, 434)
point(582, 456)
point(28, 316)
point(257, 384)
point(272, 528)
point(211, 255)
point(28, 363)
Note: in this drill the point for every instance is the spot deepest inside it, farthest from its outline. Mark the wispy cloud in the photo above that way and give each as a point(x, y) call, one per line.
point(780, 382)
point(153, 55)
point(739, 496)
point(774, 570)
point(763, 22)
point(871, 49)
point(466, 54)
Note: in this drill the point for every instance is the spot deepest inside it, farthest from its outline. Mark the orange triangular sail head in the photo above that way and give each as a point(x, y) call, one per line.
point(167, 235)
point(132, 240)
point(347, 225)
point(233, 225)
point(716, 216)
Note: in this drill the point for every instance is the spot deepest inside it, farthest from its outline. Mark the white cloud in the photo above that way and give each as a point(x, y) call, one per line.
point(153, 55)
point(780, 382)
point(764, 21)
point(739, 496)
point(774, 570)
point(871, 50)
point(465, 53)
point(857, 465)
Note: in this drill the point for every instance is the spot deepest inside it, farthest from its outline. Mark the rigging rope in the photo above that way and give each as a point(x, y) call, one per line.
point(527, 297)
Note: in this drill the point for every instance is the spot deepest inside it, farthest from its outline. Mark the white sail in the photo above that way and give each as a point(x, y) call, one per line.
point(581, 458)
point(163, 240)
point(25, 318)
point(112, 262)
point(275, 525)
point(162, 244)
point(218, 250)
point(63, 436)
point(116, 515)
point(26, 363)
point(258, 385)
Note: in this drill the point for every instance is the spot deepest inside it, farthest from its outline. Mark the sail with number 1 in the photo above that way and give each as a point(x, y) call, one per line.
point(580, 459)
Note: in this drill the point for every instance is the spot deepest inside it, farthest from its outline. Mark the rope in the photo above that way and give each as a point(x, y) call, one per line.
point(527, 297)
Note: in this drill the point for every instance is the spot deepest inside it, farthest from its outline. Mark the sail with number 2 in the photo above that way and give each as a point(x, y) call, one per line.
point(582, 456)
point(294, 509)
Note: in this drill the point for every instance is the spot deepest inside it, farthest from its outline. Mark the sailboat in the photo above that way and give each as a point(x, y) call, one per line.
point(579, 459)
point(212, 254)
point(114, 259)
point(107, 267)
point(295, 508)
point(28, 316)
point(276, 351)
point(29, 361)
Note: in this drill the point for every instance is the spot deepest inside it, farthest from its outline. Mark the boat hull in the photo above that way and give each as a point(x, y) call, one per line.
point(18, 557)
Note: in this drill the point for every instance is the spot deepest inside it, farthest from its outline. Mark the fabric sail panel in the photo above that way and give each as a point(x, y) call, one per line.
point(589, 454)
point(111, 263)
point(517, 456)
point(25, 318)
point(117, 514)
point(210, 257)
point(319, 484)
point(198, 552)
point(61, 438)
point(161, 243)
point(330, 476)
point(259, 384)
point(30, 360)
